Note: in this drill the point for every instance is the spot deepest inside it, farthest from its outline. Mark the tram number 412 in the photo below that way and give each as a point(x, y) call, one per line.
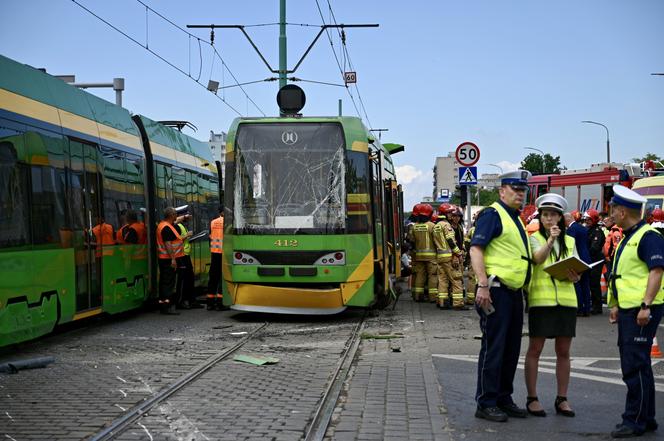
point(285, 243)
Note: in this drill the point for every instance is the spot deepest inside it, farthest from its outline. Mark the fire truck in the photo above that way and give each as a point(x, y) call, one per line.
point(583, 188)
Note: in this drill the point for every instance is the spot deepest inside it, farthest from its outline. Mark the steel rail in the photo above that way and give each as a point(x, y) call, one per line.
point(323, 415)
point(120, 424)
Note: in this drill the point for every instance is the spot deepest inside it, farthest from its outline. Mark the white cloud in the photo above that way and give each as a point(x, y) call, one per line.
point(416, 184)
point(508, 166)
point(407, 174)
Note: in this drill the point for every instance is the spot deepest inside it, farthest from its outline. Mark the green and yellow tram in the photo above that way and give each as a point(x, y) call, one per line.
point(313, 216)
point(71, 162)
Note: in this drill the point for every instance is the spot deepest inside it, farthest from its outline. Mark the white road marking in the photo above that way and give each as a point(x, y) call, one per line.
point(659, 387)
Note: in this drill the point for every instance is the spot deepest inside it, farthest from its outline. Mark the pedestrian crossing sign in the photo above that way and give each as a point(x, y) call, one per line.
point(467, 175)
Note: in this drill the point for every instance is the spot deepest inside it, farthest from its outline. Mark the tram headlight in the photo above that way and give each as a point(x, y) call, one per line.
point(241, 258)
point(336, 258)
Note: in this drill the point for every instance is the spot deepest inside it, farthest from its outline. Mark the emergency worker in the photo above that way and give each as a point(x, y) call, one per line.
point(500, 255)
point(471, 286)
point(123, 222)
point(170, 247)
point(446, 249)
point(636, 295)
point(580, 235)
point(424, 254)
point(610, 245)
point(552, 303)
point(215, 295)
point(104, 238)
point(658, 220)
point(184, 291)
point(596, 241)
point(129, 232)
point(457, 260)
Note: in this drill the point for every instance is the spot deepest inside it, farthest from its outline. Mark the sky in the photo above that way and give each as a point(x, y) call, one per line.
point(503, 74)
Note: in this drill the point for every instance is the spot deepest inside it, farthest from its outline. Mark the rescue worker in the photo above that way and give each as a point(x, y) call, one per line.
point(457, 260)
point(170, 247)
point(471, 286)
point(184, 291)
point(500, 255)
point(130, 231)
point(658, 220)
point(424, 254)
point(446, 250)
point(636, 295)
point(104, 238)
point(215, 295)
point(610, 245)
point(596, 239)
point(123, 222)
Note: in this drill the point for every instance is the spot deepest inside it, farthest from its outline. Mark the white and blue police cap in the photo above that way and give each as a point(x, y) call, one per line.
point(518, 178)
point(627, 198)
point(552, 201)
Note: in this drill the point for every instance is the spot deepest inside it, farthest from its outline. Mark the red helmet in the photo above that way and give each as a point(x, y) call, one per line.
point(593, 215)
point(576, 215)
point(426, 210)
point(658, 215)
point(444, 208)
point(417, 209)
point(434, 217)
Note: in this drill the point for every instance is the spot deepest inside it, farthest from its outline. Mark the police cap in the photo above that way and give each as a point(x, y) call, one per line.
point(517, 179)
point(627, 198)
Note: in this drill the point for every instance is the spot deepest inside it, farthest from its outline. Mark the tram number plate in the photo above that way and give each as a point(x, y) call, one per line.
point(285, 243)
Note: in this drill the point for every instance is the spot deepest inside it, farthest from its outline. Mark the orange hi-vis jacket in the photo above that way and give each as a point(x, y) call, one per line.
point(103, 237)
point(217, 235)
point(176, 246)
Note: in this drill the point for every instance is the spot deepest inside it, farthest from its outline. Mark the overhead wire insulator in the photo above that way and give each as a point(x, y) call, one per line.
point(212, 36)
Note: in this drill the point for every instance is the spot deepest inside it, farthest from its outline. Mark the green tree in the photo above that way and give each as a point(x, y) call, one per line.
point(649, 157)
point(487, 196)
point(541, 164)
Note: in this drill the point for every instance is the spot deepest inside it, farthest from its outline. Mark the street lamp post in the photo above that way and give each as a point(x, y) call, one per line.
point(543, 158)
point(608, 149)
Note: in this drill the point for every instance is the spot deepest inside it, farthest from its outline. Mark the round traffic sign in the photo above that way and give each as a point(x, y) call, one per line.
point(467, 154)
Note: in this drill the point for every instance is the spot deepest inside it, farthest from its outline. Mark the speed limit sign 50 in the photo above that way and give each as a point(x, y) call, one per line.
point(467, 154)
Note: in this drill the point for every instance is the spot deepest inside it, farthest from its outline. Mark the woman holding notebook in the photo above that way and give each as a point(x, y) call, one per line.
point(552, 302)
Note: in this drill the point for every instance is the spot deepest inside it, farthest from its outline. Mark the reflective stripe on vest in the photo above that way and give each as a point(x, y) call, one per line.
point(630, 274)
point(187, 245)
point(217, 235)
point(543, 289)
point(507, 256)
point(176, 246)
point(443, 250)
point(424, 247)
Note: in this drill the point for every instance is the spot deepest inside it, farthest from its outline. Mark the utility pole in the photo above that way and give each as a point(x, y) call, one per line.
point(282, 44)
point(117, 85)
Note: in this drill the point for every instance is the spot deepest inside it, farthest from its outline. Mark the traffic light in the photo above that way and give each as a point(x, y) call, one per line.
point(463, 195)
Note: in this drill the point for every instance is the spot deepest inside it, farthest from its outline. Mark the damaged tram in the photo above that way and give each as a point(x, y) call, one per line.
point(313, 216)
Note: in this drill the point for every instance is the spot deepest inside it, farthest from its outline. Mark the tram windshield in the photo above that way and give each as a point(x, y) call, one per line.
point(289, 178)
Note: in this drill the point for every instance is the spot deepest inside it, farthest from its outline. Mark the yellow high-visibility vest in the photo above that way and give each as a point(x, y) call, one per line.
point(508, 256)
point(543, 289)
point(629, 276)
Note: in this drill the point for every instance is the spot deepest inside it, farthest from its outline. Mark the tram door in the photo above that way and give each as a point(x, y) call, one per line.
point(85, 202)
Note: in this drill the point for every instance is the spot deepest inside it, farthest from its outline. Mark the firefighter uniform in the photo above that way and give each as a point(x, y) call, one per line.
point(638, 254)
point(424, 261)
point(457, 267)
point(214, 289)
point(446, 248)
point(471, 285)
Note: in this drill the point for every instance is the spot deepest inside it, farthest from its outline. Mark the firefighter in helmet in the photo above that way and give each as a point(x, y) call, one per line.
point(424, 253)
point(446, 251)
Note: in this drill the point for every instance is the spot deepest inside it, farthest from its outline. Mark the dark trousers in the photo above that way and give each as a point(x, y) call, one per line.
point(582, 288)
point(634, 343)
point(185, 283)
point(501, 344)
point(166, 280)
point(595, 288)
point(214, 274)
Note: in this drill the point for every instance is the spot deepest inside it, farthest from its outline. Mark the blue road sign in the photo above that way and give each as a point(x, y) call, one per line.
point(467, 175)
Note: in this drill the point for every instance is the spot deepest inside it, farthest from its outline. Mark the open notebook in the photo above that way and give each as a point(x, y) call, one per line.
point(559, 269)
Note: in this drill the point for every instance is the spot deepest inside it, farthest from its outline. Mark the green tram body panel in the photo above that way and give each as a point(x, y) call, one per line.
point(286, 285)
point(57, 140)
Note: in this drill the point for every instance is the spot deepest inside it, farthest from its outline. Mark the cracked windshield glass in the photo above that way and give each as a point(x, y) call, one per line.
point(289, 178)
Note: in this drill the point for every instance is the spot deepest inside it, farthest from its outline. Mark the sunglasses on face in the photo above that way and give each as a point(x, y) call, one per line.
point(518, 188)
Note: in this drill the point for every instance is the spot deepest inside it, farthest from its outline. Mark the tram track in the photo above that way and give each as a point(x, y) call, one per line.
point(323, 414)
point(123, 422)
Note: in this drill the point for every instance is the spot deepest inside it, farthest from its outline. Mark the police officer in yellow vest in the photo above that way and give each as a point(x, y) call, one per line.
point(424, 253)
point(552, 301)
point(636, 295)
point(500, 255)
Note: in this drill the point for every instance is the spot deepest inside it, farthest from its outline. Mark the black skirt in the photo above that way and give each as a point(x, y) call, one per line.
point(552, 321)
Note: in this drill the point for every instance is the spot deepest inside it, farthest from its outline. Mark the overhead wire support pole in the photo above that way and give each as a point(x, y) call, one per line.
point(283, 47)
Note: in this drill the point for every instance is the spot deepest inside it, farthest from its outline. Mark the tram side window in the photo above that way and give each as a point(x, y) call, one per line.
point(48, 212)
point(14, 197)
point(114, 191)
point(357, 192)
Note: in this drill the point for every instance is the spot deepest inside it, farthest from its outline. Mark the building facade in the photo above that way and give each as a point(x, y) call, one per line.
point(445, 176)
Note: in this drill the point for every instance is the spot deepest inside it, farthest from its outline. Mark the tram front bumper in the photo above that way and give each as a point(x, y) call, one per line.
point(285, 300)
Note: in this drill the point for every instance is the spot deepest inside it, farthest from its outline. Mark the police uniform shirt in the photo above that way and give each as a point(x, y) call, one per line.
point(651, 247)
point(489, 227)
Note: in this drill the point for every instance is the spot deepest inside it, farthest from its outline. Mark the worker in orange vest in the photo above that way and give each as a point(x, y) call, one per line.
point(214, 291)
point(104, 238)
point(170, 248)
